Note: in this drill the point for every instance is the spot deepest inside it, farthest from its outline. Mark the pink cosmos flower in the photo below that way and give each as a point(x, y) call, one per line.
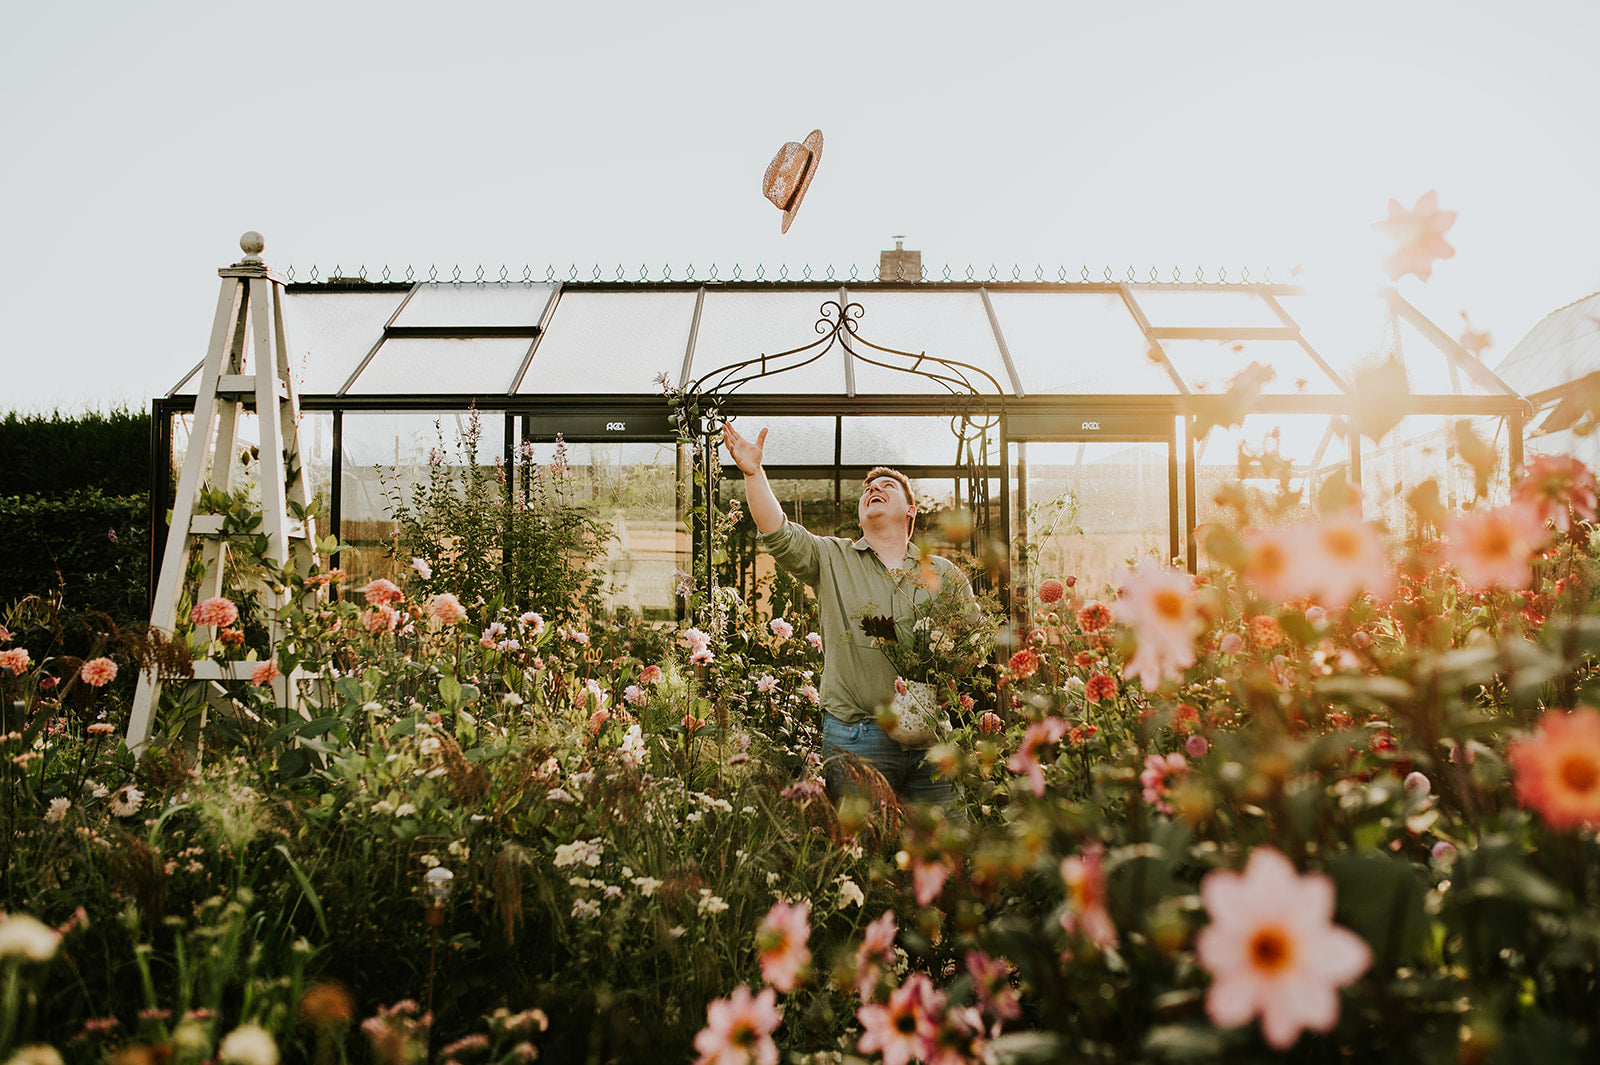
point(14, 659)
point(877, 951)
point(1419, 236)
point(1158, 605)
point(991, 982)
point(650, 675)
point(383, 591)
point(702, 657)
point(1156, 778)
point(265, 673)
point(1349, 558)
point(739, 1029)
point(1559, 487)
point(1282, 562)
point(446, 609)
point(1086, 913)
point(781, 944)
point(218, 611)
point(781, 629)
point(1040, 734)
point(815, 640)
point(901, 1030)
point(1273, 950)
point(1492, 548)
point(767, 684)
point(927, 880)
point(98, 672)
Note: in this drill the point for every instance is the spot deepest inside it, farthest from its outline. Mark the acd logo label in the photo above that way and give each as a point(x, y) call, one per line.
point(1092, 425)
point(616, 427)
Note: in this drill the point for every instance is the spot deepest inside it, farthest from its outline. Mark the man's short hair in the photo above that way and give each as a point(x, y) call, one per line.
point(884, 471)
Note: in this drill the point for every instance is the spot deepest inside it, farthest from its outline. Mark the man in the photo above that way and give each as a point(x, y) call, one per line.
point(875, 575)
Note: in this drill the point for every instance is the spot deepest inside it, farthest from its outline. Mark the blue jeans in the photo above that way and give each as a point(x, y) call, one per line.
point(907, 769)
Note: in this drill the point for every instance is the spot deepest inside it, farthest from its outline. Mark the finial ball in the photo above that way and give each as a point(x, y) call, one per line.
point(252, 243)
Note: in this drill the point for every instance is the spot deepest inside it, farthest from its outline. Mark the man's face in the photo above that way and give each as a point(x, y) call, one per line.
point(883, 497)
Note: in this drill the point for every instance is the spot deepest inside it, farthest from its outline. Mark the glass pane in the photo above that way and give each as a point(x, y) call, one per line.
point(896, 441)
point(791, 441)
point(1201, 310)
point(1207, 366)
point(393, 453)
point(941, 324)
point(1094, 508)
point(480, 366)
point(633, 335)
point(1430, 371)
point(331, 332)
point(1562, 347)
point(1077, 342)
point(1420, 447)
point(735, 326)
point(1298, 439)
point(634, 488)
point(316, 457)
point(471, 304)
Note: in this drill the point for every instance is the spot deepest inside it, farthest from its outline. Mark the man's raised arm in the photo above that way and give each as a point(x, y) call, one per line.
point(764, 508)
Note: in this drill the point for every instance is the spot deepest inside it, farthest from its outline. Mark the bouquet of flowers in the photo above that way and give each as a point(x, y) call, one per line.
point(945, 636)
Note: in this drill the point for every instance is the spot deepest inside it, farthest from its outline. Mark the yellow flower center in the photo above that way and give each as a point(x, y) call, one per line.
point(1169, 604)
point(1580, 773)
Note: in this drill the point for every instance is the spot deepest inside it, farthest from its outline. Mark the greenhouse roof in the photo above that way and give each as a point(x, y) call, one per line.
point(1561, 349)
point(360, 341)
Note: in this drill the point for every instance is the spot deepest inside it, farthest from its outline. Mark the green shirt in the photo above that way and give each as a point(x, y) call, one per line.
point(851, 581)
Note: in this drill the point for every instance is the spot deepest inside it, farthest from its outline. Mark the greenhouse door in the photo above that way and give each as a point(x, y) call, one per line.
point(1094, 492)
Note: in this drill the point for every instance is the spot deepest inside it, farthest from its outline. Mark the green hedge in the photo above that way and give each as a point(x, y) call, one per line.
point(92, 548)
point(48, 455)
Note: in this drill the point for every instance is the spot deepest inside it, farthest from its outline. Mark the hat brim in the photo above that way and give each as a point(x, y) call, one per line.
point(813, 144)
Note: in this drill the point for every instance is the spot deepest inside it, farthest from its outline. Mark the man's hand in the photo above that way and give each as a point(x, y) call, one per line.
point(746, 454)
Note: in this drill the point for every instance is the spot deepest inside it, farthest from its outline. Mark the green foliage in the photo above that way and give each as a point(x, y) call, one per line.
point(104, 452)
point(90, 550)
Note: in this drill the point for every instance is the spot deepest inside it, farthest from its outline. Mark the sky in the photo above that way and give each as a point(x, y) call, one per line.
point(137, 142)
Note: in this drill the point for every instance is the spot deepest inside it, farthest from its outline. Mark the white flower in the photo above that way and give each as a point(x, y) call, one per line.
point(585, 908)
point(36, 1054)
point(127, 800)
point(383, 806)
point(58, 810)
point(22, 936)
point(429, 746)
point(248, 1044)
point(633, 749)
point(559, 795)
point(405, 809)
point(424, 570)
point(850, 894)
point(709, 903)
point(647, 885)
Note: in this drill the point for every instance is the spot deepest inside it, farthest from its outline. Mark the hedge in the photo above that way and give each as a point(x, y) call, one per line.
point(91, 548)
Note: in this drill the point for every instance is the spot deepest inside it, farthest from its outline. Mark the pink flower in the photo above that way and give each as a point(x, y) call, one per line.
point(1156, 778)
point(902, 1029)
point(1197, 746)
point(814, 640)
point(1273, 950)
point(1158, 605)
point(383, 591)
point(598, 719)
point(98, 672)
point(1419, 236)
point(265, 673)
point(1349, 558)
point(695, 640)
point(781, 944)
point(767, 684)
point(877, 950)
point(217, 611)
point(990, 724)
point(383, 618)
point(991, 982)
point(1051, 590)
point(1023, 664)
point(1093, 616)
point(1557, 769)
point(15, 659)
point(702, 657)
point(422, 569)
point(446, 609)
point(534, 623)
point(781, 629)
point(633, 695)
point(1492, 548)
point(1281, 564)
point(1231, 643)
point(810, 692)
point(1100, 687)
point(739, 1029)
point(1086, 913)
point(927, 880)
point(650, 675)
point(1040, 734)
point(1559, 487)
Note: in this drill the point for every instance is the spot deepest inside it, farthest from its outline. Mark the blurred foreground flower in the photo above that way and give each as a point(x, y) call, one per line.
point(1493, 548)
point(1085, 877)
point(781, 944)
point(1158, 604)
point(22, 936)
point(1559, 487)
point(1273, 950)
point(739, 1029)
point(248, 1044)
point(1557, 769)
point(1418, 235)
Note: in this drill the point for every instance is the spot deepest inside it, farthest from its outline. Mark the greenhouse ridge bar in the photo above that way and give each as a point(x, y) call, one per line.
point(1095, 452)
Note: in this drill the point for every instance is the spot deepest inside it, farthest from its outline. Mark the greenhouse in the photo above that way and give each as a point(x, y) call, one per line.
point(1080, 422)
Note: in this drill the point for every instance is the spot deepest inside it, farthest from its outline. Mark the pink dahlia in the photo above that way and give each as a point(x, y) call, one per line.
point(1051, 590)
point(446, 609)
point(218, 611)
point(383, 591)
point(265, 673)
point(98, 672)
point(15, 660)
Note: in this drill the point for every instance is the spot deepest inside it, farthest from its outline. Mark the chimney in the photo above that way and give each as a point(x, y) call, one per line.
point(900, 265)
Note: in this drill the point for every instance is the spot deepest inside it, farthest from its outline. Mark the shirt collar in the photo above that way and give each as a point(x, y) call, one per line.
point(911, 551)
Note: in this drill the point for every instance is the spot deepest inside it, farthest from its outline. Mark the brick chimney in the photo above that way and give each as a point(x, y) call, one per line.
point(900, 265)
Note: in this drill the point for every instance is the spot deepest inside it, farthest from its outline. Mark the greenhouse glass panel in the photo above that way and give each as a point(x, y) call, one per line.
point(331, 332)
point(942, 324)
point(1423, 447)
point(791, 441)
point(1204, 310)
point(1230, 456)
point(387, 454)
point(735, 326)
point(633, 335)
point(467, 305)
point(479, 366)
point(1092, 509)
point(635, 488)
point(1067, 343)
point(1430, 371)
point(1209, 366)
point(316, 459)
point(904, 441)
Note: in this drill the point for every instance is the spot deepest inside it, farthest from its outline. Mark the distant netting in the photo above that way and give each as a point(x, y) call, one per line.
point(994, 274)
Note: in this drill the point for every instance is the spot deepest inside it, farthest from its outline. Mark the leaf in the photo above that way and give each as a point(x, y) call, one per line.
point(1382, 395)
point(1382, 898)
point(450, 691)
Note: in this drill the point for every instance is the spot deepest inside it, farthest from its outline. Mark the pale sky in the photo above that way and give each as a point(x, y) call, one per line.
point(140, 141)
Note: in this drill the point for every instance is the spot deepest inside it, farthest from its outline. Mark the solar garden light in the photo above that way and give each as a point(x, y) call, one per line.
point(436, 882)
